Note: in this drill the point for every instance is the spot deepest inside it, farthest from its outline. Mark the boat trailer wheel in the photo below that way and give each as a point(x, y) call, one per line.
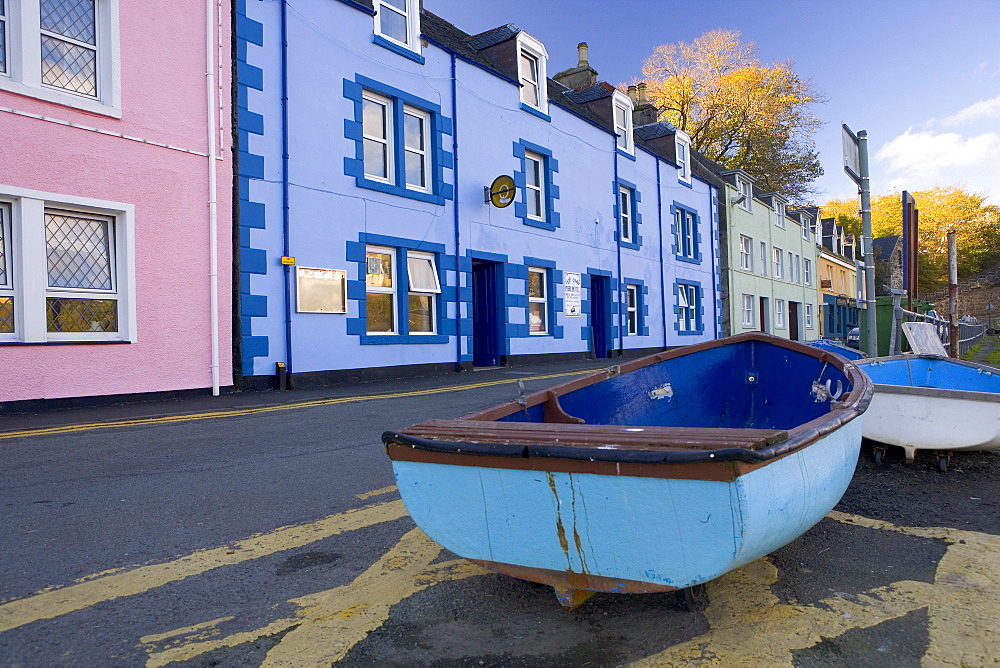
point(944, 459)
point(878, 452)
point(695, 598)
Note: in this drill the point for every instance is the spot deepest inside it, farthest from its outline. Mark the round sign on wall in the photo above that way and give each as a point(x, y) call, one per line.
point(502, 191)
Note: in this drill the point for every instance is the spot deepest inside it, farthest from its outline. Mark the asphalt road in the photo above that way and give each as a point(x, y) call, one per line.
point(247, 531)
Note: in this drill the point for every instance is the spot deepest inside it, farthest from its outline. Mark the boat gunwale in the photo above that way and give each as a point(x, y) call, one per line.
point(929, 391)
point(799, 436)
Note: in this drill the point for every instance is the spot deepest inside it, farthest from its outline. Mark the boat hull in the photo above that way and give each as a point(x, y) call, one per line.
point(622, 533)
point(931, 403)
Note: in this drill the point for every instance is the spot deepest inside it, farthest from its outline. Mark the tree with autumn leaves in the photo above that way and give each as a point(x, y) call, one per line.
point(739, 112)
point(942, 210)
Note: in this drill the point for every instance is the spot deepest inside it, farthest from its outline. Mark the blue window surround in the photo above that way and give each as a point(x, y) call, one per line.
point(699, 314)
point(636, 242)
point(553, 277)
point(551, 221)
point(398, 49)
point(696, 221)
point(610, 306)
point(641, 308)
point(356, 290)
point(536, 112)
point(440, 158)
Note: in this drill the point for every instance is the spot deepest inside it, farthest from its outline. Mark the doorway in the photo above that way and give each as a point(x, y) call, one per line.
point(486, 320)
point(793, 321)
point(765, 315)
point(600, 315)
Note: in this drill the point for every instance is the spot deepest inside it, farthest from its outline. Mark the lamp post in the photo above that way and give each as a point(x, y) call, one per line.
point(856, 167)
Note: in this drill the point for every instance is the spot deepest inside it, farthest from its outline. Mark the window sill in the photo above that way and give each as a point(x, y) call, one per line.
point(66, 342)
point(689, 260)
point(686, 184)
point(396, 339)
point(398, 49)
point(393, 189)
point(61, 98)
point(625, 154)
point(536, 112)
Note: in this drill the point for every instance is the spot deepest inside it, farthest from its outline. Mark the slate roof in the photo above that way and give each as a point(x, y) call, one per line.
point(485, 40)
point(590, 93)
point(882, 247)
point(653, 131)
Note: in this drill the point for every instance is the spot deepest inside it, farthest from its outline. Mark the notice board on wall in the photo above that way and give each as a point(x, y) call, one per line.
point(320, 290)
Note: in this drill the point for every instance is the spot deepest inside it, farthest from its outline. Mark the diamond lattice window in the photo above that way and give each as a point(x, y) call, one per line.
point(79, 252)
point(81, 315)
point(69, 45)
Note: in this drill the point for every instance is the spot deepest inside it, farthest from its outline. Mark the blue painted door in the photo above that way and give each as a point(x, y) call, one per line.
point(600, 314)
point(485, 313)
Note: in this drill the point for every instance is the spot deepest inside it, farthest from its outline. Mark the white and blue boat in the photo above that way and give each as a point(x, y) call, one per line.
point(662, 473)
point(834, 347)
point(928, 402)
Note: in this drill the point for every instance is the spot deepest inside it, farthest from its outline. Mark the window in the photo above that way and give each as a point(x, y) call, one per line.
point(748, 302)
point(688, 306)
point(763, 258)
point(538, 307)
point(746, 253)
point(805, 228)
point(398, 142)
point(779, 214)
point(779, 269)
point(682, 147)
point(779, 313)
point(531, 72)
point(686, 226)
point(798, 268)
point(632, 308)
point(396, 21)
point(843, 282)
point(534, 185)
point(807, 270)
point(424, 285)
point(86, 292)
point(809, 316)
point(746, 192)
point(380, 288)
point(622, 106)
point(625, 213)
point(63, 51)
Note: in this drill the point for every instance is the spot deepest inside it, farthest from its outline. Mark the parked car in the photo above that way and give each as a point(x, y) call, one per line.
point(854, 338)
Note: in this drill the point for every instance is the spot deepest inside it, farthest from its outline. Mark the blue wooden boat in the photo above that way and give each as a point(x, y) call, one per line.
point(662, 473)
point(834, 347)
point(927, 402)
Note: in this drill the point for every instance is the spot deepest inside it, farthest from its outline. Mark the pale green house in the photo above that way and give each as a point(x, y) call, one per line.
point(769, 269)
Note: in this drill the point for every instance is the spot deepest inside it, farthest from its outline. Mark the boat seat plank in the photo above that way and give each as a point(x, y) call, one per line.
point(595, 435)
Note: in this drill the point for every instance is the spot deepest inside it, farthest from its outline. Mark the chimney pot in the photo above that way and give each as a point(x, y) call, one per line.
point(582, 50)
point(632, 94)
point(642, 94)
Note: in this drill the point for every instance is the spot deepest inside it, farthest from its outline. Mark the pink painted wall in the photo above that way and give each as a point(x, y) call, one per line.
point(163, 99)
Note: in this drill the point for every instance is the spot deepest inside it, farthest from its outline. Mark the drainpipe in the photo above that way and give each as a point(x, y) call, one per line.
point(213, 205)
point(618, 248)
point(454, 205)
point(287, 269)
point(659, 222)
point(715, 242)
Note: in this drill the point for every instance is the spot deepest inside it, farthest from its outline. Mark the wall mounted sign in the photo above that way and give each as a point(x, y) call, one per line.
point(320, 290)
point(571, 294)
point(501, 193)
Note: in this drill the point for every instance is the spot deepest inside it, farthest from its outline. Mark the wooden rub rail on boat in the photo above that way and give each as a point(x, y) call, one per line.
point(660, 474)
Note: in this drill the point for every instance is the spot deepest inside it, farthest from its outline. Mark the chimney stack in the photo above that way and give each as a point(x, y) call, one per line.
point(582, 50)
point(582, 75)
point(643, 112)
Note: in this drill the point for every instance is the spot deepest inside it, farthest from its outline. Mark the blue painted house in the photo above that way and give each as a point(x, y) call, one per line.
point(370, 132)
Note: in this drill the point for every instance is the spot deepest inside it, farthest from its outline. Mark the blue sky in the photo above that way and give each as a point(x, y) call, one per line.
point(921, 76)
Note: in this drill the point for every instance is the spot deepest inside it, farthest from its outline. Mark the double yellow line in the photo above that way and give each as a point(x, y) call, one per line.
point(237, 412)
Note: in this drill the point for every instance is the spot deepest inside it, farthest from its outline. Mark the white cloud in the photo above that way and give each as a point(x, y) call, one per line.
point(983, 110)
point(918, 160)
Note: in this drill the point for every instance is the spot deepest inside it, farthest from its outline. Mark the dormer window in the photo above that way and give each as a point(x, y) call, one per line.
point(746, 193)
point(682, 147)
point(531, 72)
point(779, 214)
point(623, 122)
point(397, 22)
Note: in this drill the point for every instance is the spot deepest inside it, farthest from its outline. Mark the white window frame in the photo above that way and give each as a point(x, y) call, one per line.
point(411, 14)
point(746, 253)
point(625, 209)
point(28, 279)
point(746, 190)
point(526, 44)
point(682, 151)
point(805, 228)
point(7, 263)
point(416, 288)
point(748, 311)
point(686, 234)
point(809, 316)
point(807, 270)
point(687, 307)
point(763, 258)
point(632, 308)
point(543, 300)
point(24, 59)
point(779, 214)
point(779, 313)
point(622, 104)
point(389, 141)
point(777, 263)
point(424, 153)
point(377, 289)
point(529, 157)
point(798, 268)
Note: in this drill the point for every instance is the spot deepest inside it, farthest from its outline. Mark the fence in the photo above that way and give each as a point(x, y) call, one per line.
point(969, 333)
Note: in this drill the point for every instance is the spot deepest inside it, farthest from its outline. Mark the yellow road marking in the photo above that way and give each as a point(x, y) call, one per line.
point(202, 630)
point(237, 412)
point(329, 623)
point(92, 590)
point(376, 492)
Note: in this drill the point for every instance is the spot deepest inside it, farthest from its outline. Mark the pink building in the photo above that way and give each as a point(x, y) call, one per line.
point(115, 197)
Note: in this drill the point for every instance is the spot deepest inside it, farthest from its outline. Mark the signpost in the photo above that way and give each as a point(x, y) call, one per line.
point(856, 167)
